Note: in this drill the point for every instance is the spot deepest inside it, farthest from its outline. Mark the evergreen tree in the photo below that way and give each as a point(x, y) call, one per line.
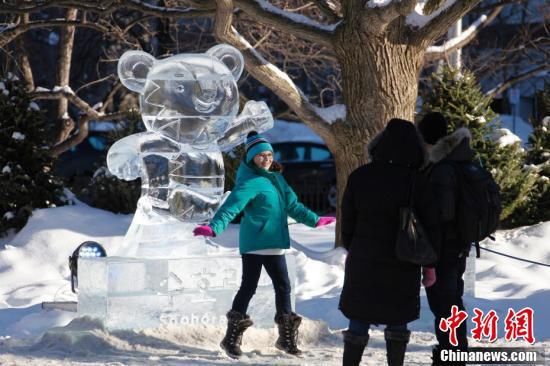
point(537, 209)
point(108, 192)
point(457, 95)
point(26, 179)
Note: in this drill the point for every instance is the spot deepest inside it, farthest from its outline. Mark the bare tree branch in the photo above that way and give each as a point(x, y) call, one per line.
point(63, 74)
point(500, 88)
point(88, 113)
point(164, 12)
point(15, 31)
point(439, 25)
point(295, 24)
point(267, 73)
point(376, 19)
point(108, 100)
point(135, 22)
point(202, 4)
point(104, 7)
point(22, 7)
point(490, 6)
point(65, 93)
point(98, 81)
point(23, 58)
point(297, 57)
point(82, 132)
point(73, 140)
point(468, 35)
point(329, 9)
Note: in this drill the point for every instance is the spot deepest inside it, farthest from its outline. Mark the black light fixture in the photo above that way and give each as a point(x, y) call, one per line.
point(88, 249)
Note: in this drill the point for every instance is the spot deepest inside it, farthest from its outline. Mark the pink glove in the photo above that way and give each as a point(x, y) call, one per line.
point(428, 276)
point(203, 230)
point(325, 220)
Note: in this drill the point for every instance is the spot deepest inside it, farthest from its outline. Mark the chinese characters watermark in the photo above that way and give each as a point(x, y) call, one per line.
point(517, 325)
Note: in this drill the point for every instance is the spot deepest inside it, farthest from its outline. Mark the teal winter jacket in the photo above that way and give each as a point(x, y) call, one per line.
point(267, 200)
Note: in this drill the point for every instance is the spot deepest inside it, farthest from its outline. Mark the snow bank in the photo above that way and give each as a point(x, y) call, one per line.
point(33, 268)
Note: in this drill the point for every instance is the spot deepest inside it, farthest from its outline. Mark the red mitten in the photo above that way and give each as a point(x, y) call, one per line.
point(203, 230)
point(325, 220)
point(428, 276)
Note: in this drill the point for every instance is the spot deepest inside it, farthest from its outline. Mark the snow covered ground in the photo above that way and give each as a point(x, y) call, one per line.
point(33, 269)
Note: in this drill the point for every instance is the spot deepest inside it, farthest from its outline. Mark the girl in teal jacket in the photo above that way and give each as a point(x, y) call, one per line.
point(266, 200)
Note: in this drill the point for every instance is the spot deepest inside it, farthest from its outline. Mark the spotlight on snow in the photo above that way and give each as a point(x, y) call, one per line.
point(88, 249)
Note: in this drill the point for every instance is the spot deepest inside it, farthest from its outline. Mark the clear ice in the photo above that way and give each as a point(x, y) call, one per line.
point(189, 104)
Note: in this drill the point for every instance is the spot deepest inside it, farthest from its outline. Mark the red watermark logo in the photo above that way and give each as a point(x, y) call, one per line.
point(452, 323)
point(517, 325)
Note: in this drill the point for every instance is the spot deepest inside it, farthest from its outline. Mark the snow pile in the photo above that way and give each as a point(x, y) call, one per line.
point(65, 89)
point(333, 113)
point(297, 18)
point(519, 126)
point(418, 19)
point(504, 137)
point(33, 106)
point(33, 265)
point(377, 3)
point(18, 136)
point(33, 268)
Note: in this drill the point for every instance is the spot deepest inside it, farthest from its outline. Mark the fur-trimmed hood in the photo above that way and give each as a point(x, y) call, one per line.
point(455, 146)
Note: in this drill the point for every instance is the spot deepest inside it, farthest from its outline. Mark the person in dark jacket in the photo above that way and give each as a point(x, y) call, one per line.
point(267, 200)
point(444, 149)
point(379, 288)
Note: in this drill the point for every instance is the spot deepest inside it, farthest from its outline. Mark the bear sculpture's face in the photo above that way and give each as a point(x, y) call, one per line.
point(188, 98)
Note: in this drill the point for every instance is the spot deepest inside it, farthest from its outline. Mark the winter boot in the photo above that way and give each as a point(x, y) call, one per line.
point(237, 323)
point(354, 345)
point(288, 333)
point(396, 345)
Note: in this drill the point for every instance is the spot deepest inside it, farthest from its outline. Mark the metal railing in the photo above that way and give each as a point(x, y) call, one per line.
point(314, 194)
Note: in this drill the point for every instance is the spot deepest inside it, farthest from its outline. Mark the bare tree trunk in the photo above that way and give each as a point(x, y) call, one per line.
point(380, 81)
point(65, 122)
point(23, 57)
point(165, 44)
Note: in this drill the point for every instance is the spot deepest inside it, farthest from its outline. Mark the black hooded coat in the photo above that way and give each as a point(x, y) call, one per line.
point(379, 288)
point(445, 186)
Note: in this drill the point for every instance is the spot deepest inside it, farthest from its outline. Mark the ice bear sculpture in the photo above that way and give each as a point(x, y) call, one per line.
point(189, 105)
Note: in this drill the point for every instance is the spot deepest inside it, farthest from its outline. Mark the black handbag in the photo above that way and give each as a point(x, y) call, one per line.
point(413, 244)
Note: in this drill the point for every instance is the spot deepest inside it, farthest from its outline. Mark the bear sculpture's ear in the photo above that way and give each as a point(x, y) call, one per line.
point(133, 67)
point(230, 57)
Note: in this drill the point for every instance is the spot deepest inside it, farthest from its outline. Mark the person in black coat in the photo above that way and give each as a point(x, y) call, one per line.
point(379, 288)
point(444, 149)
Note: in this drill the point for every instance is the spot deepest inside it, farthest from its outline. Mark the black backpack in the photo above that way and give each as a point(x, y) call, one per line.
point(478, 203)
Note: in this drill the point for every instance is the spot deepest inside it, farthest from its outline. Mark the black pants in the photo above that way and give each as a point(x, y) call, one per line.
point(275, 266)
point(446, 292)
